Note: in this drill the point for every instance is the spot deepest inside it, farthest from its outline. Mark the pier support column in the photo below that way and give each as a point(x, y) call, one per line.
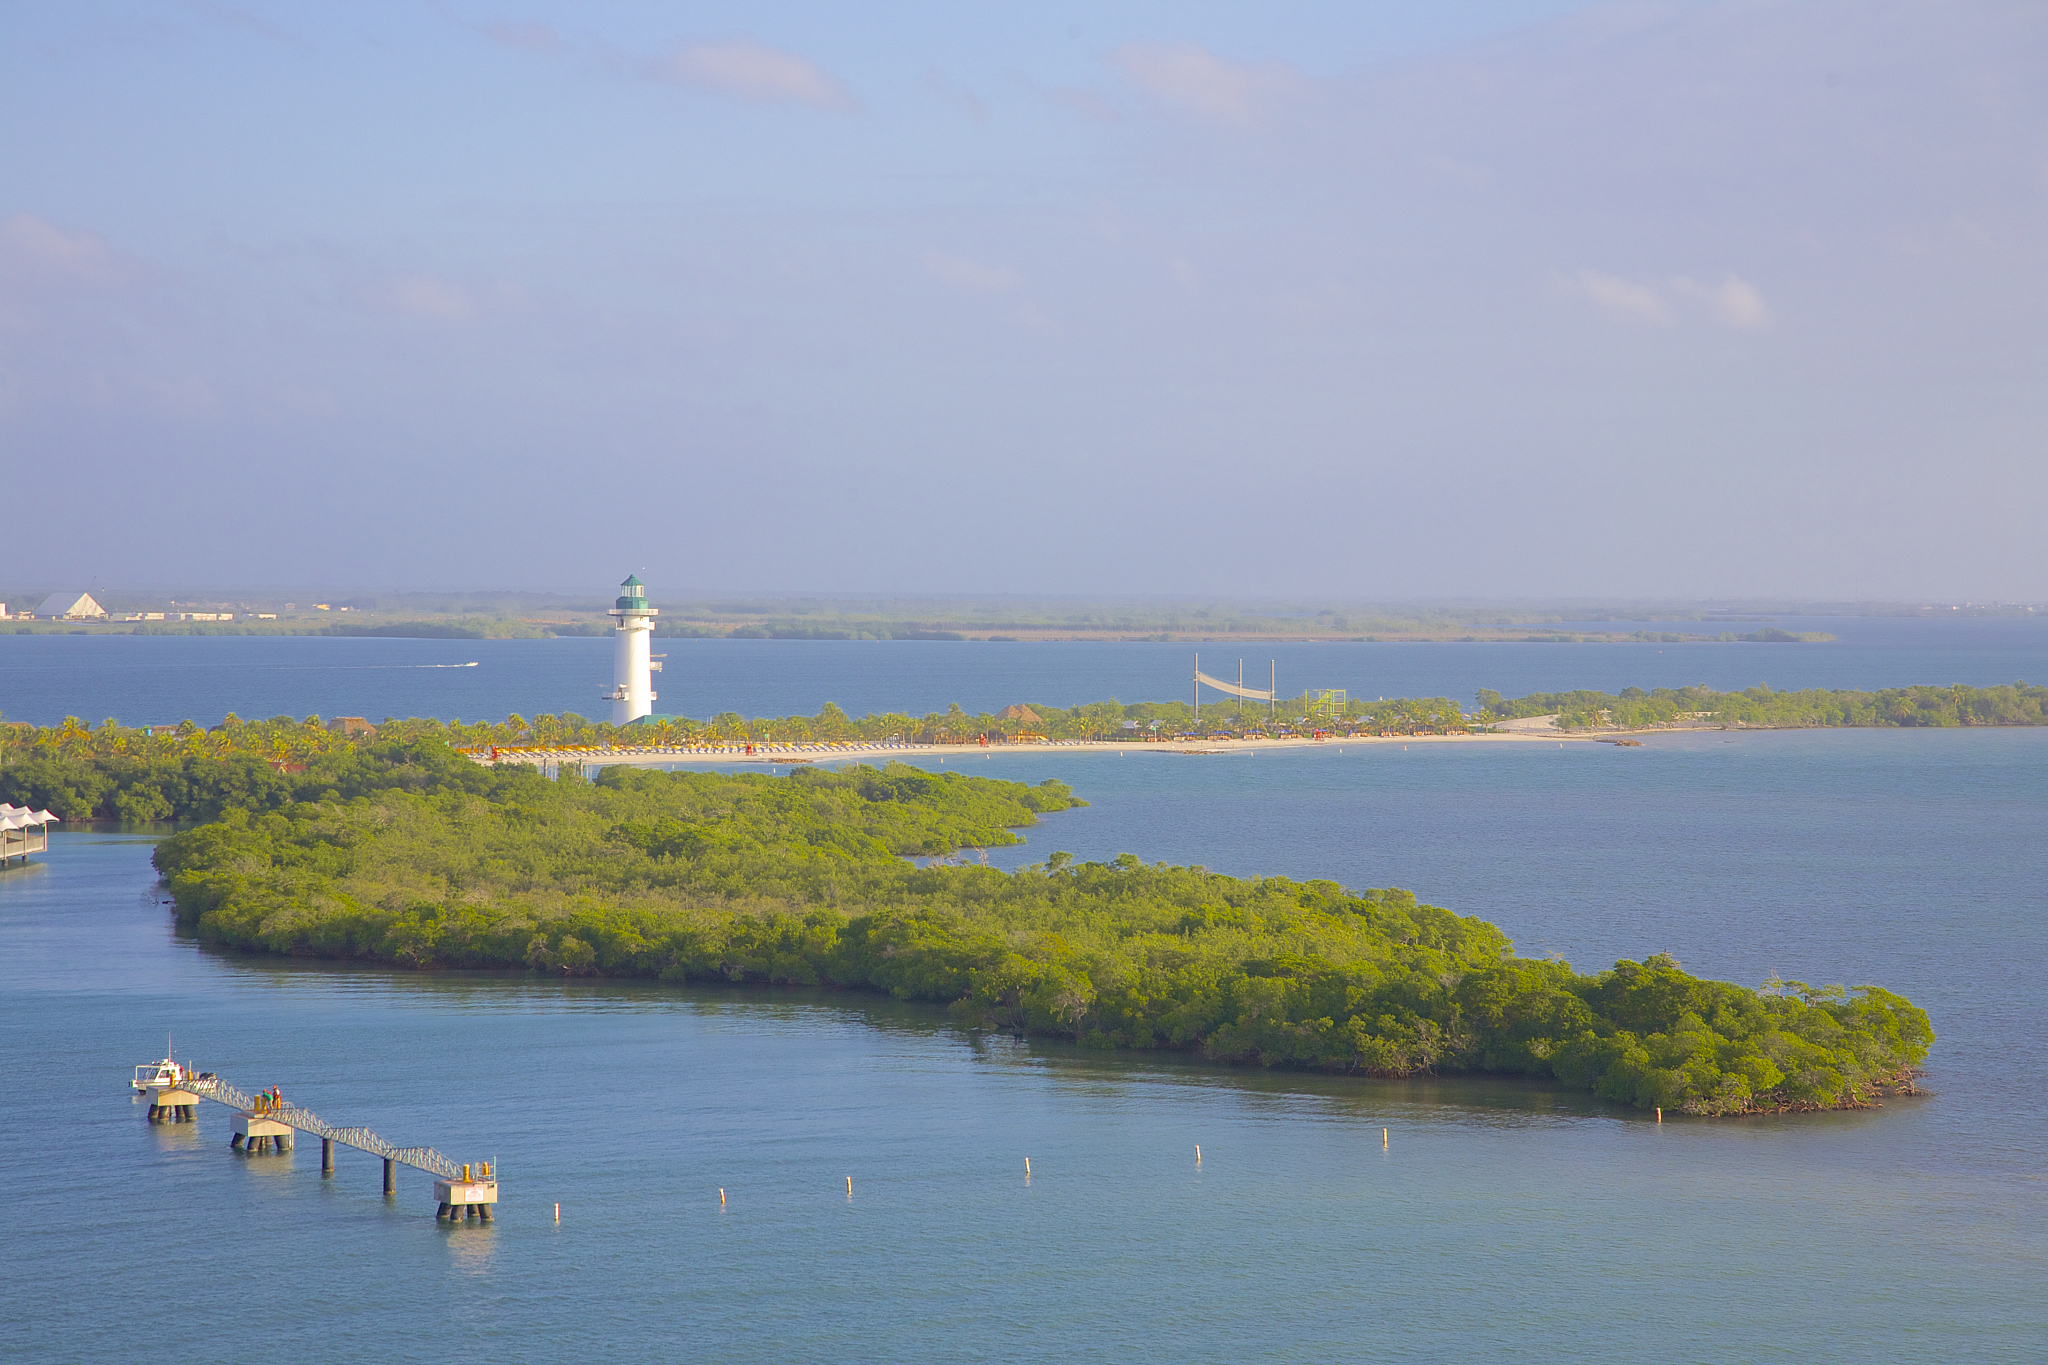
point(390, 1177)
point(172, 1105)
point(467, 1198)
point(327, 1156)
point(255, 1131)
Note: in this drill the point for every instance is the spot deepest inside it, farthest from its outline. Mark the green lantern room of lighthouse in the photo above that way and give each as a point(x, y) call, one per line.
point(632, 595)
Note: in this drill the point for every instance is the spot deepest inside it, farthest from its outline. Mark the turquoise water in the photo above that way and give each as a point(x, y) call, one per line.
point(1501, 1220)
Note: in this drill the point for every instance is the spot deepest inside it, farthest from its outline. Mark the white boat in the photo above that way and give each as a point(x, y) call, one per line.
point(166, 1074)
point(163, 1075)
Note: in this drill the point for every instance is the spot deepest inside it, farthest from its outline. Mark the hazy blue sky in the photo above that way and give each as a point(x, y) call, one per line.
point(1362, 300)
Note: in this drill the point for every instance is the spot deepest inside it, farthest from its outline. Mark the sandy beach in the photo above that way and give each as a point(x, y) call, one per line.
point(1532, 730)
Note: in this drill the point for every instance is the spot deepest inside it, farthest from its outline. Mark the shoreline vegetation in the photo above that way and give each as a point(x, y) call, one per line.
point(406, 853)
point(185, 771)
point(395, 848)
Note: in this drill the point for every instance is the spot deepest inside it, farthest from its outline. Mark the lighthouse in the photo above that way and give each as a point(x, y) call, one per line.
point(632, 694)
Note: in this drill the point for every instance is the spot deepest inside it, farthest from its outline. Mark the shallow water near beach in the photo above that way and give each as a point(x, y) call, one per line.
point(1499, 1219)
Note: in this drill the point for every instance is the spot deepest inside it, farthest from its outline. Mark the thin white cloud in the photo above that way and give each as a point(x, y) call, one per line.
point(1735, 301)
point(185, 395)
point(998, 281)
point(960, 96)
point(1192, 79)
point(234, 16)
point(972, 277)
point(35, 246)
point(527, 37)
point(1623, 298)
point(429, 296)
point(1087, 104)
point(295, 400)
point(754, 71)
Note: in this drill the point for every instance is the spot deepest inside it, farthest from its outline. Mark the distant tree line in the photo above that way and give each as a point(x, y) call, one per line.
point(2017, 703)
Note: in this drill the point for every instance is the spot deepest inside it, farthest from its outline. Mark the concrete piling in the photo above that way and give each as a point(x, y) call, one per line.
point(260, 1134)
point(390, 1177)
point(465, 1197)
point(173, 1104)
point(327, 1156)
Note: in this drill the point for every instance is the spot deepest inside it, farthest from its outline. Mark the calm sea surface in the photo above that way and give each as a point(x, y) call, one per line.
point(144, 679)
point(1501, 1220)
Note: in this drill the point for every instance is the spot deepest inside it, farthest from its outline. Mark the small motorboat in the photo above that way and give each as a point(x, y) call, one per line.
point(166, 1074)
point(163, 1075)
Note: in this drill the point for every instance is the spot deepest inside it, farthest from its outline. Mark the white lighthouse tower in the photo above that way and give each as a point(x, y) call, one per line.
point(632, 694)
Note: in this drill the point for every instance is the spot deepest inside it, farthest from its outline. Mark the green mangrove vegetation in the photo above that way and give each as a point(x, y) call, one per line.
point(397, 849)
point(185, 771)
point(1633, 708)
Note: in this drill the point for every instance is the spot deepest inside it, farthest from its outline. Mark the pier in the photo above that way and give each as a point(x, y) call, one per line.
point(23, 831)
point(263, 1123)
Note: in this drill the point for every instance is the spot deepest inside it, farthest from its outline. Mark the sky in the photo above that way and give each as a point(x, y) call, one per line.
point(1332, 300)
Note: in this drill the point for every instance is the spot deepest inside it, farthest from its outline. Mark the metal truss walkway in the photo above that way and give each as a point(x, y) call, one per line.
point(306, 1121)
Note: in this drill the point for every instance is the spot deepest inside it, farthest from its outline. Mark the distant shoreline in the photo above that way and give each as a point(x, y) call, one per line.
point(551, 630)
